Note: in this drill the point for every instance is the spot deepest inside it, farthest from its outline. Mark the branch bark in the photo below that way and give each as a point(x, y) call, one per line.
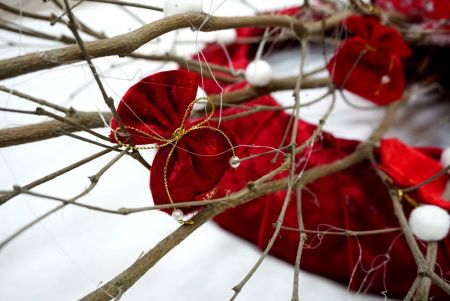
point(50, 129)
point(127, 43)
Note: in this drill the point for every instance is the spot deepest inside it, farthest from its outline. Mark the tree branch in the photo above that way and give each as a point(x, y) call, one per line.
point(127, 43)
point(50, 129)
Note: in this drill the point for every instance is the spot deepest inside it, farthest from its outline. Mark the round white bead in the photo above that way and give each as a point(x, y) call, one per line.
point(445, 157)
point(226, 37)
point(429, 222)
point(258, 73)
point(173, 7)
point(385, 79)
point(234, 162)
point(177, 214)
point(429, 6)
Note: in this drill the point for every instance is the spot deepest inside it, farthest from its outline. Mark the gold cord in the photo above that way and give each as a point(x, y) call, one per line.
point(402, 196)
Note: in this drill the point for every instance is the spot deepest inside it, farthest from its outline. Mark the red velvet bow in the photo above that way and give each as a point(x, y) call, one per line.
point(368, 64)
point(353, 199)
point(192, 155)
point(408, 167)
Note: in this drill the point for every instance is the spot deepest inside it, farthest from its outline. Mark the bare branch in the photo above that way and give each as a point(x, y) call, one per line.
point(7, 196)
point(51, 129)
point(127, 43)
point(124, 3)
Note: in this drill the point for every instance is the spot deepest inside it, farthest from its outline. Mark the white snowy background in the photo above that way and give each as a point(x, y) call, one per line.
point(73, 251)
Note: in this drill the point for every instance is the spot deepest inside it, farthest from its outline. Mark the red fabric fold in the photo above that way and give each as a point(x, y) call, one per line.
point(353, 199)
point(408, 167)
point(368, 64)
point(156, 105)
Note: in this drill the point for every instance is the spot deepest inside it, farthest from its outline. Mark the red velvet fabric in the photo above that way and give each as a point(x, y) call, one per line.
point(408, 167)
point(368, 64)
point(353, 199)
point(156, 105)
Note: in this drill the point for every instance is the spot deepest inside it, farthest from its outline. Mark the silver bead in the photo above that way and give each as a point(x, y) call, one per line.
point(234, 162)
point(177, 214)
point(385, 79)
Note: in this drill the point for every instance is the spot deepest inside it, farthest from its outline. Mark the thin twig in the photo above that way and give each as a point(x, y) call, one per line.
point(127, 43)
point(423, 288)
point(51, 129)
point(429, 180)
point(36, 34)
point(302, 238)
point(42, 102)
point(93, 179)
point(108, 100)
point(135, 155)
point(291, 179)
point(413, 289)
point(344, 232)
point(123, 3)
point(22, 13)
point(7, 196)
point(45, 130)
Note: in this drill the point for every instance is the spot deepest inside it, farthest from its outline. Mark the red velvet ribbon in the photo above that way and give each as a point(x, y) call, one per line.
point(193, 154)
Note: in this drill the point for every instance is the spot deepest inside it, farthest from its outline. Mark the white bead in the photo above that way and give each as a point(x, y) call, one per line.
point(258, 73)
point(429, 222)
point(445, 157)
point(429, 6)
point(173, 7)
point(234, 162)
point(177, 214)
point(385, 79)
point(226, 37)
